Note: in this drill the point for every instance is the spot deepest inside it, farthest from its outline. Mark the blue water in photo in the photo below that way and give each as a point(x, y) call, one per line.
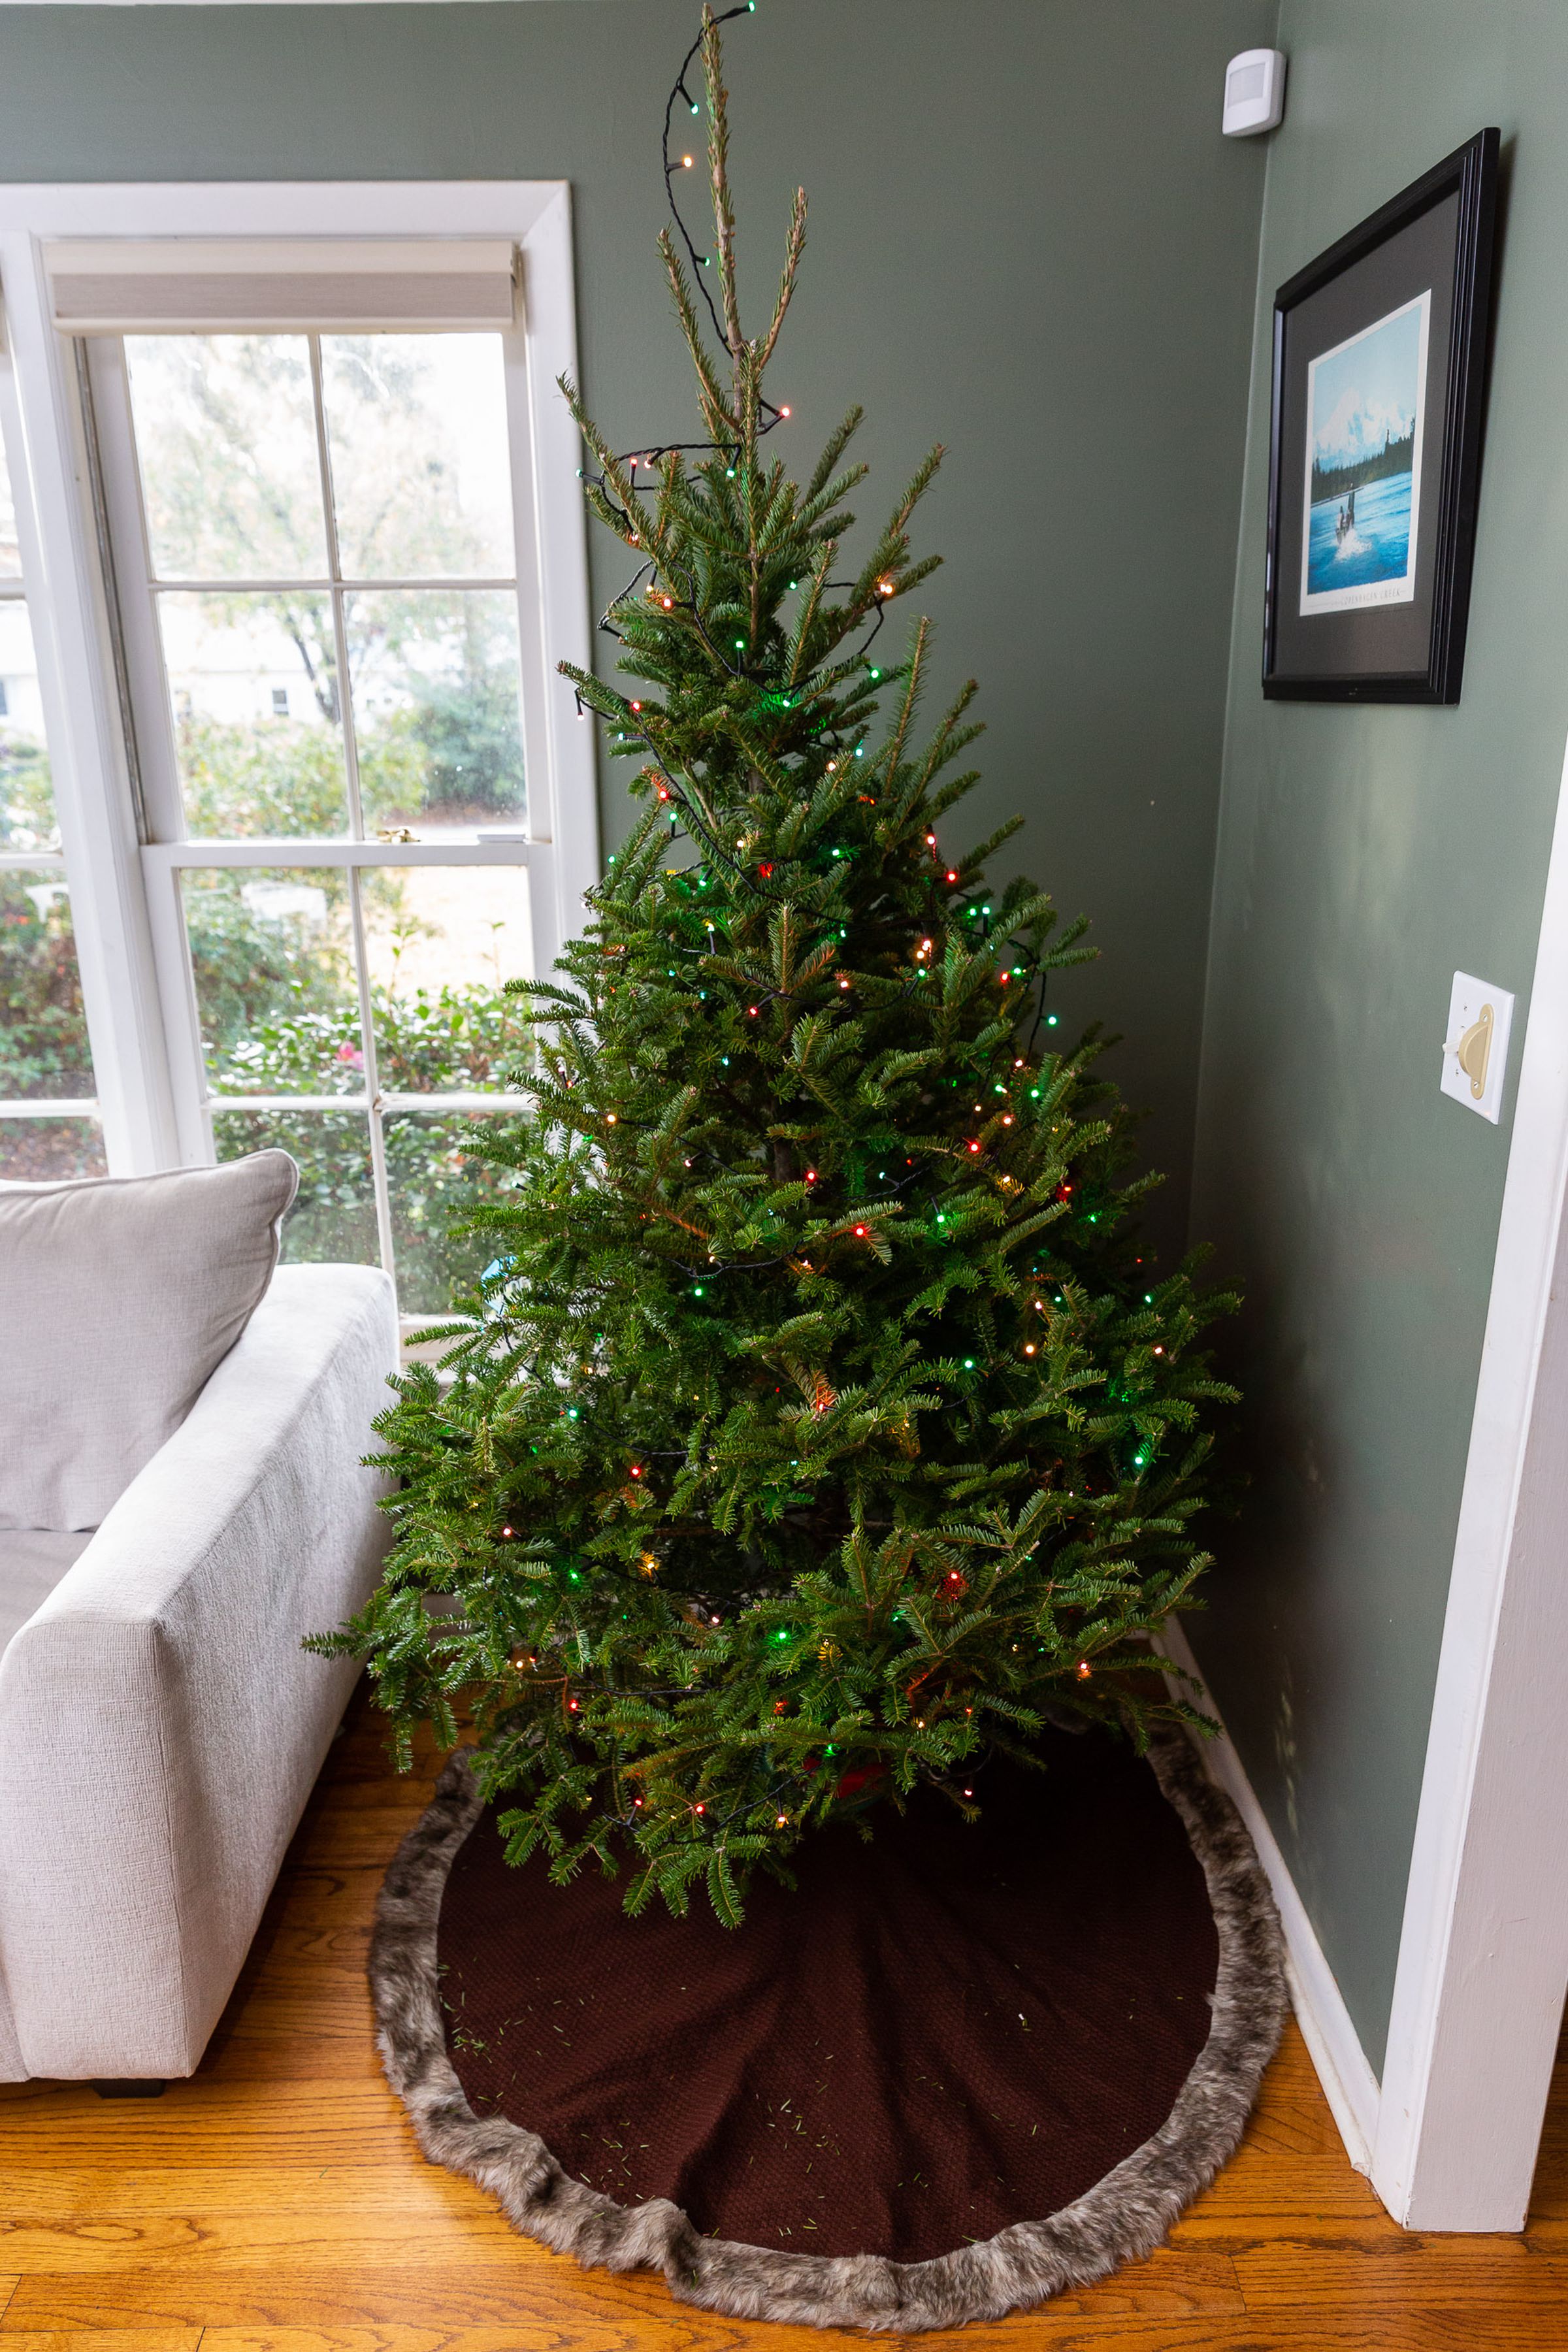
point(1376, 548)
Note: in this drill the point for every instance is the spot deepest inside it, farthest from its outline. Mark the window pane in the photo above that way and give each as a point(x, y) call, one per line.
point(26, 795)
point(434, 673)
point(271, 950)
point(257, 725)
point(231, 476)
point(433, 1178)
point(441, 941)
point(10, 554)
point(421, 475)
point(43, 1034)
point(333, 1215)
point(49, 1150)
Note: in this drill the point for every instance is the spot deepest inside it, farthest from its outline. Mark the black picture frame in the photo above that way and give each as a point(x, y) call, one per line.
point(1418, 275)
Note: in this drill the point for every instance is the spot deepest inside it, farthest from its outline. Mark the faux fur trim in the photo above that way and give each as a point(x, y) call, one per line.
point(1125, 2215)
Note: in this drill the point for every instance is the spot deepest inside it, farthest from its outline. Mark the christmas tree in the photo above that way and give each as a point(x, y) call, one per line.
point(822, 1428)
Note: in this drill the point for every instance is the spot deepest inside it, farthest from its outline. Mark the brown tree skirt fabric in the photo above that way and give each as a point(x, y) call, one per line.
point(949, 2029)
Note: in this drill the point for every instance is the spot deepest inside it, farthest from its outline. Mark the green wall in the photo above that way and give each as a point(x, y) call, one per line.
point(1028, 241)
point(1364, 856)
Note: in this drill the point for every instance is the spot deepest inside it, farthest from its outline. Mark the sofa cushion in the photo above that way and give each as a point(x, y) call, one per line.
point(118, 1296)
point(32, 1563)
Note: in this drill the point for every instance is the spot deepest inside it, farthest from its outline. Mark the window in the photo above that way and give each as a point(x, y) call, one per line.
point(49, 1114)
point(333, 552)
point(317, 582)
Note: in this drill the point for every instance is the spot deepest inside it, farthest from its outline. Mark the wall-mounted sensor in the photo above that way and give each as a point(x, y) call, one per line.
point(1253, 93)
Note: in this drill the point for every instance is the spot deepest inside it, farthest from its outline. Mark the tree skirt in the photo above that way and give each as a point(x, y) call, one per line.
point(959, 2069)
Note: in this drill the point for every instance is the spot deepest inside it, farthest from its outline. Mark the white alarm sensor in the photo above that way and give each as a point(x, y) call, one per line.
point(1253, 93)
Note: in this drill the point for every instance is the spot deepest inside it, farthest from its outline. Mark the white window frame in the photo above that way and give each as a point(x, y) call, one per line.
point(134, 976)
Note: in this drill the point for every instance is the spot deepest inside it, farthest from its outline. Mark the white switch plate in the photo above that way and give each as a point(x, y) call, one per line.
point(1466, 1004)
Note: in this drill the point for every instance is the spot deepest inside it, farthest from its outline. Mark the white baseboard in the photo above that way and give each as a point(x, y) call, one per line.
point(1349, 2084)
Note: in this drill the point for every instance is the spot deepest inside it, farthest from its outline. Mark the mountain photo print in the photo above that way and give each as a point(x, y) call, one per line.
point(1366, 400)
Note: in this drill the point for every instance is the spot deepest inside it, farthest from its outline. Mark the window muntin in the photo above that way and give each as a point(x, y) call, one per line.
point(46, 1062)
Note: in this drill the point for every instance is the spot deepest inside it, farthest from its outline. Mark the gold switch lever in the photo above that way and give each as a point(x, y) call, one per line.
point(1474, 1051)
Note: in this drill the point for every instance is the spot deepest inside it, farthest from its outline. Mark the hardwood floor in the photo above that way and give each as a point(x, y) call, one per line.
point(277, 2204)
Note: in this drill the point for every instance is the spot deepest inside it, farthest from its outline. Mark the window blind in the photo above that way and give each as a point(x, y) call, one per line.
point(125, 286)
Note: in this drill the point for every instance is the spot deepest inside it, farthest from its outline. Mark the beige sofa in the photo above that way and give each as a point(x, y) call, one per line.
point(160, 1725)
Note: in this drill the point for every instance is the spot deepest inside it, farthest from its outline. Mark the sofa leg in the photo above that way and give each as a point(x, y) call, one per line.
point(133, 2090)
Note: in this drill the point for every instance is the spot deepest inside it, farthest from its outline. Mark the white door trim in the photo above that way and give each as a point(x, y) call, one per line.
point(1483, 1957)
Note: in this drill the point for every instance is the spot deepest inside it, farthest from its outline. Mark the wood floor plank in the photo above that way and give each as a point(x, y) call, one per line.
point(163, 2287)
point(1425, 2332)
point(106, 2339)
point(1260, 2194)
point(1118, 2334)
point(37, 2196)
point(1407, 2268)
point(191, 2242)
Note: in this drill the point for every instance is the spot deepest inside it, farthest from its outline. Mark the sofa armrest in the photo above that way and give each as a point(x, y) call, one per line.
point(160, 1725)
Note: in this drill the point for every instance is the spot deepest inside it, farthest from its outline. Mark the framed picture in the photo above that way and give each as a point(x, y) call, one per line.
point(1374, 459)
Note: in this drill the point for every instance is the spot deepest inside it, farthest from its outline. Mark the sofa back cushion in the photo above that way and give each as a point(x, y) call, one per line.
point(118, 1299)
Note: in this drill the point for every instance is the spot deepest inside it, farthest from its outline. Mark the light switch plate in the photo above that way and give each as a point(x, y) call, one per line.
point(1480, 1020)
